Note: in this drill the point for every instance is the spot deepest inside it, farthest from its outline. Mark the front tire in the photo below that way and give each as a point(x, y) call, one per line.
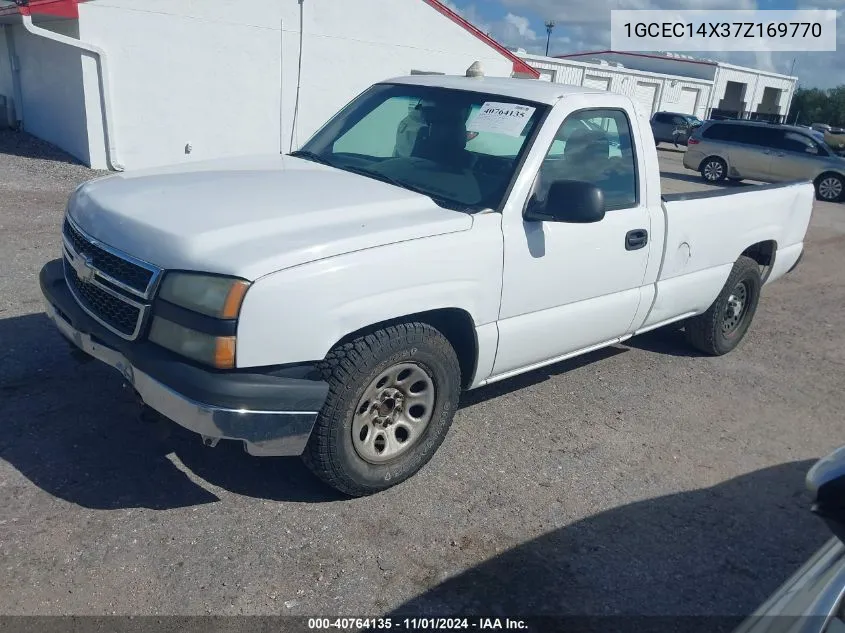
point(392, 397)
point(714, 169)
point(725, 323)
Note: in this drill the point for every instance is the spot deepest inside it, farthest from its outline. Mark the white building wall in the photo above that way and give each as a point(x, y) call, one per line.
point(7, 88)
point(660, 65)
point(53, 100)
point(223, 79)
point(355, 43)
point(204, 74)
point(720, 73)
point(625, 81)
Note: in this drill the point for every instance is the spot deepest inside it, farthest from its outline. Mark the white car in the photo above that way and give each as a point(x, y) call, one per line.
point(438, 234)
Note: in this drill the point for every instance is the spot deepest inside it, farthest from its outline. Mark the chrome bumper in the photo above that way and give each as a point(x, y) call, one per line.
point(264, 433)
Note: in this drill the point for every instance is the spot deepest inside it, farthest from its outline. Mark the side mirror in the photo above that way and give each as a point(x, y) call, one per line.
point(812, 150)
point(826, 481)
point(572, 201)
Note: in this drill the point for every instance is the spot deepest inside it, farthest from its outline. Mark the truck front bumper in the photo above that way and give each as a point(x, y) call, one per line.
point(272, 411)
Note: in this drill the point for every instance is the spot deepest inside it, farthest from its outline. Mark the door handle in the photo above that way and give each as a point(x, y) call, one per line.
point(636, 239)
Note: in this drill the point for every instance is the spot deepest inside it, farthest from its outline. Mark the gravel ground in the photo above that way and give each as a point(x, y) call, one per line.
point(641, 479)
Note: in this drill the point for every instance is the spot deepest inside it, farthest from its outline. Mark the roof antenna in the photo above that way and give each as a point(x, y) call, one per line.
point(475, 70)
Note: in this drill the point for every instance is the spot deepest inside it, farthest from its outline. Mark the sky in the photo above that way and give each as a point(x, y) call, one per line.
point(584, 25)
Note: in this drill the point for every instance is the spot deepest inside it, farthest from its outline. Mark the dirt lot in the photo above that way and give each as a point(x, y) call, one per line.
point(641, 479)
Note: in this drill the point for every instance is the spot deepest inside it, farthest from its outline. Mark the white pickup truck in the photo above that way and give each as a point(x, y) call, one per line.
point(438, 234)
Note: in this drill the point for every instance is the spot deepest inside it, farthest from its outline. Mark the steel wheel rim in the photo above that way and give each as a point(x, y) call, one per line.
point(830, 188)
point(713, 170)
point(736, 308)
point(393, 413)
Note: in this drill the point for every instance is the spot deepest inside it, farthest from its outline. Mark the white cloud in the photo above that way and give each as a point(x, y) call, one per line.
point(520, 26)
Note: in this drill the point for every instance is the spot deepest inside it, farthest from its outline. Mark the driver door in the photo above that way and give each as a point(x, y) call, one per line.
point(569, 286)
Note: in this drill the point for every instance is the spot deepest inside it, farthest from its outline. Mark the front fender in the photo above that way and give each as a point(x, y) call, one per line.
point(298, 314)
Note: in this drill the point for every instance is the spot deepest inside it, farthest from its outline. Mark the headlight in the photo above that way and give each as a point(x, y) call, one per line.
point(214, 296)
point(217, 351)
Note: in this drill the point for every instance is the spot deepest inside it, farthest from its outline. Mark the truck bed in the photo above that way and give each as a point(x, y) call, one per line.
point(705, 233)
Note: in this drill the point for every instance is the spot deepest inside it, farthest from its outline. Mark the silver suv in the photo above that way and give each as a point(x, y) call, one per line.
point(763, 151)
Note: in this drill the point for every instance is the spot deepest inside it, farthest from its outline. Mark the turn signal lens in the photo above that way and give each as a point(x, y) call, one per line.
point(224, 352)
point(234, 299)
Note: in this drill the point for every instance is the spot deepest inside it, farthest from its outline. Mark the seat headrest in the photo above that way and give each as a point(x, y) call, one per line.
point(589, 142)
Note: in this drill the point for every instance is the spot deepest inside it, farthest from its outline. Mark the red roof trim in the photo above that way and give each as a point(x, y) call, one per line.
point(59, 8)
point(519, 65)
point(674, 59)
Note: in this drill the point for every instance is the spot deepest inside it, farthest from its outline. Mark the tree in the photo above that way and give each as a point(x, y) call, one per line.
point(814, 105)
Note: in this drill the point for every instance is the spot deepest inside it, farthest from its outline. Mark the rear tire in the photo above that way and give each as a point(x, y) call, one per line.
point(830, 187)
point(392, 397)
point(725, 323)
point(714, 169)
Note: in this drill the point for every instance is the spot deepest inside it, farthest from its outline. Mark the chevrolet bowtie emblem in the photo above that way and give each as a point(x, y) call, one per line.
point(84, 267)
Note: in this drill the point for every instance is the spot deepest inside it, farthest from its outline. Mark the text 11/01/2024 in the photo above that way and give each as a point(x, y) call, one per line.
point(416, 624)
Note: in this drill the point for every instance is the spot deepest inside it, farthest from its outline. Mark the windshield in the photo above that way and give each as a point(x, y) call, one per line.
point(460, 148)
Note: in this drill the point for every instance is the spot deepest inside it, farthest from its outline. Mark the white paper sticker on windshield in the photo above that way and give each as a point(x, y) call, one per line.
point(504, 118)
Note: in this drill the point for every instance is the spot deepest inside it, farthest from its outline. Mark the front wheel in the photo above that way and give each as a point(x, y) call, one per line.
point(714, 169)
point(392, 397)
point(725, 323)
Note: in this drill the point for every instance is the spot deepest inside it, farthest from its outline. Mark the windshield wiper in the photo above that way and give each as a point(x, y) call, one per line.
point(304, 153)
point(443, 202)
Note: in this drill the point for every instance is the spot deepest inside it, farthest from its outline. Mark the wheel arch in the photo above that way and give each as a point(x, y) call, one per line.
point(764, 254)
point(724, 159)
point(455, 324)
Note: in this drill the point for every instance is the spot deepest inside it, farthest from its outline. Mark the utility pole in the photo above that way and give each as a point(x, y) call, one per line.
point(550, 24)
point(791, 94)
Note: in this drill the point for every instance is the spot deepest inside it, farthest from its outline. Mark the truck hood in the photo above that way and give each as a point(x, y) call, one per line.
point(252, 216)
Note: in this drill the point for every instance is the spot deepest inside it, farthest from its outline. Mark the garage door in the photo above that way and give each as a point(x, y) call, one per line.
point(592, 81)
point(688, 101)
point(646, 95)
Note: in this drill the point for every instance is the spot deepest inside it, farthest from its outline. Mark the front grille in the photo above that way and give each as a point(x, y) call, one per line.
point(112, 311)
point(130, 274)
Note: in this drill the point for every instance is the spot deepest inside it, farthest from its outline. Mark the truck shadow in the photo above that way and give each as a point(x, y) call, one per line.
point(537, 376)
point(74, 431)
point(717, 552)
point(669, 340)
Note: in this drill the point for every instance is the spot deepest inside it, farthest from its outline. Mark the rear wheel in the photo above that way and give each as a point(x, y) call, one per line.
point(724, 325)
point(392, 397)
point(714, 169)
point(830, 187)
